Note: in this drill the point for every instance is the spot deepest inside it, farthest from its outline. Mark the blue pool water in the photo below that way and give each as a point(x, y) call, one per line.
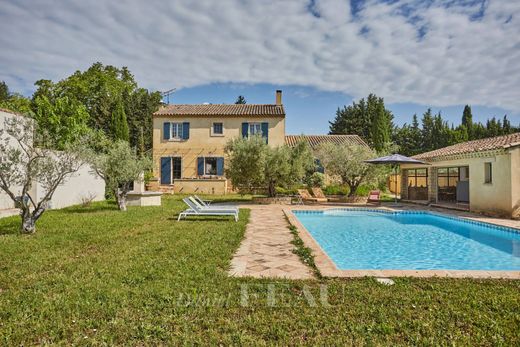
point(411, 241)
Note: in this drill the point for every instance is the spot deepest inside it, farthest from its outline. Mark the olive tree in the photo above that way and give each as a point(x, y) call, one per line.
point(347, 162)
point(119, 166)
point(23, 164)
point(253, 164)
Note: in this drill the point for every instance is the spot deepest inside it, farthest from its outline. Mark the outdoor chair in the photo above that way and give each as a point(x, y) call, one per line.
point(318, 194)
point(206, 203)
point(374, 197)
point(195, 210)
point(304, 194)
point(202, 204)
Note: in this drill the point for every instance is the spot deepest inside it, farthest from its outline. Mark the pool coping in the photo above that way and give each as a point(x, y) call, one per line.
point(328, 268)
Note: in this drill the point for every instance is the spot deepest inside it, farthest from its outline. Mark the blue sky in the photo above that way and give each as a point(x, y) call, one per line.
point(321, 53)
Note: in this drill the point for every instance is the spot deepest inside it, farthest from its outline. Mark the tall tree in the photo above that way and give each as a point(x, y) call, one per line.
point(13, 101)
point(359, 119)
point(493, 127)
point(240, 100)
point(119, 126)
point(4, 91)
point(65, 119)
point(381, 128)
point(100, 88)
point(506, 126)
point(427, 143)
point(467, 120)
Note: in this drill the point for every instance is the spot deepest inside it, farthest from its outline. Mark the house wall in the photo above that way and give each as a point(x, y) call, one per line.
point(515, 182)
point(202, 143)
point(495, 198)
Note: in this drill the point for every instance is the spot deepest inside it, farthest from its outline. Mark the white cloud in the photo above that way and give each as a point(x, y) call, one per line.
point(462, 57)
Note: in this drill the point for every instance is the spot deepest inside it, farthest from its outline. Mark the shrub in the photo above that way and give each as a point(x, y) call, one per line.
point(317, 179)
point(335, 189)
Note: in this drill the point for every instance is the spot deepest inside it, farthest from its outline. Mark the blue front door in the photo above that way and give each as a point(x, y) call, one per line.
point(166, 170)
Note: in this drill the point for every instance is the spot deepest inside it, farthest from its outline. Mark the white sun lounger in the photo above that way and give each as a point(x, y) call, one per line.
point(202, 205)
point(195, 210)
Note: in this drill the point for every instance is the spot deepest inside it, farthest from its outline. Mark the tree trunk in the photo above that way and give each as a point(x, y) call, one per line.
point(272, 190)
point(353, 188)
point(28, 222)
point(121, 200)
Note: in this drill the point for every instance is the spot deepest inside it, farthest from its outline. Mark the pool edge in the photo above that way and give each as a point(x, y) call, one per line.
point(328, 268)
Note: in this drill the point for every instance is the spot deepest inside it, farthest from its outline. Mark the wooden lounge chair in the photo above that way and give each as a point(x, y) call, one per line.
point(318, 194)
point(304, 194)
point(195, 210)
point(374, 197)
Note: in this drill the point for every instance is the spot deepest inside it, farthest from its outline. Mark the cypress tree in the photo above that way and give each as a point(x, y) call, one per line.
point(119, 123)
point(415, 136)
point(467, 120)
point(427, 131)
point(381, 127)
point(506, 126)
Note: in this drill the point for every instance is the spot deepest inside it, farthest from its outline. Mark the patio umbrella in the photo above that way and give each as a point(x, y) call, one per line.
point(395, 160)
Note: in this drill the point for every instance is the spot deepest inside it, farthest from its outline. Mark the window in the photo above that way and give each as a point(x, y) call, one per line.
point(255, 129)
point(448, 177)
point(218, 129)
point(417, 178)
point(488, 173)
point(176, 131)
point(210, 166)
point(177, 168)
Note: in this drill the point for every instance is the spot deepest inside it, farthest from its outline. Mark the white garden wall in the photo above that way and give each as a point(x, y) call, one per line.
point(5, 200)
point(82, 184)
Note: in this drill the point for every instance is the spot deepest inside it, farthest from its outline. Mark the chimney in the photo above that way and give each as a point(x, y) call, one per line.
point(278, 97)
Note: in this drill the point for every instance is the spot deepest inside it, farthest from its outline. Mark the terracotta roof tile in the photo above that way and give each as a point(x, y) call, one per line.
point(221, 110)
point(315, 140)
point(482, 145)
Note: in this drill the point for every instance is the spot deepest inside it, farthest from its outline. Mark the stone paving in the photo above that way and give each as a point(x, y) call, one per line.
point(266, 250)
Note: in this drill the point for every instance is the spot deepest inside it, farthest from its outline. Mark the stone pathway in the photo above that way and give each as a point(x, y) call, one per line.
point(266, 250)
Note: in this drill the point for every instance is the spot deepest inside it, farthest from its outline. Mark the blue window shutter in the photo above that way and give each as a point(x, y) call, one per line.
point(186, 130)
point(166, 130)
point(220, 166)
point(265, 131)
point(166, 170)
point(245, 129)
point(319, 167)
point(200, 166)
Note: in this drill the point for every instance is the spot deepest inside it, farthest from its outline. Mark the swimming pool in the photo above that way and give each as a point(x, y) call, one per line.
point(409, 240)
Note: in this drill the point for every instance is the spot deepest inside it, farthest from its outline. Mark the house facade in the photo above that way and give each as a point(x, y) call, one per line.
point(481, 175)
point(189, 141)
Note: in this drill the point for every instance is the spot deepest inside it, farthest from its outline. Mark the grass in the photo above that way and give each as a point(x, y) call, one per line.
point(99, 276)
point(303, 252)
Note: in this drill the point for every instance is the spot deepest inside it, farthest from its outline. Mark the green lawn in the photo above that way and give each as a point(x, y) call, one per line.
point(99, 276)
